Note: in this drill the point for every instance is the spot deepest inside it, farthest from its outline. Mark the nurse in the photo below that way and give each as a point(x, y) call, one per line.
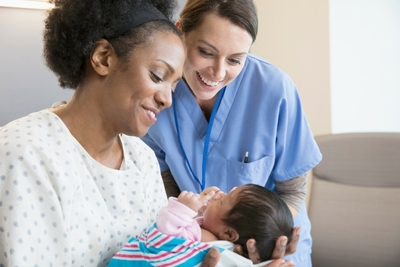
point(235, 118)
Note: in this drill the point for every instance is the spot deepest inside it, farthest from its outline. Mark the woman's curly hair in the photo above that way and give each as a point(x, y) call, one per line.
point(73, 27)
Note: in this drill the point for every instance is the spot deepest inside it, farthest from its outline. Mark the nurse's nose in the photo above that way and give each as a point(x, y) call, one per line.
point(218, 70)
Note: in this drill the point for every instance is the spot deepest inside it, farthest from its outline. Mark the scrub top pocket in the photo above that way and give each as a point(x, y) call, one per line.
point(255, 172)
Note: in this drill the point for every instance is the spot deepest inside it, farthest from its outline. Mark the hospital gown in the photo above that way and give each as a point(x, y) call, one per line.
point(59, 206)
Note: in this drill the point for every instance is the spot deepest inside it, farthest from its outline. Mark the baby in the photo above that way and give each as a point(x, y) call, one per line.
point(248, 211)
point(193, 223)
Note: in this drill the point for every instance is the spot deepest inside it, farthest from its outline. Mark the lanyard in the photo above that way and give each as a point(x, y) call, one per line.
point(206, 141)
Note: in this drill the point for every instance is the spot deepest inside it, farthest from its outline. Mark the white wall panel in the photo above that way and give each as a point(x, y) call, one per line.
point(365, 65)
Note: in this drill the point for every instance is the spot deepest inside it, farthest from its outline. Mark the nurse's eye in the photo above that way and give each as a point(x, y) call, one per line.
point(235, 61)
point(155, 77)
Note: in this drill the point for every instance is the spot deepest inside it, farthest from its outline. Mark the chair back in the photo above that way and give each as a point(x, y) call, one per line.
point(354, 203)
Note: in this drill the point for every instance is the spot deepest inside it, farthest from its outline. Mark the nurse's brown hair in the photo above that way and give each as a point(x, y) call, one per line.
point(242, 13)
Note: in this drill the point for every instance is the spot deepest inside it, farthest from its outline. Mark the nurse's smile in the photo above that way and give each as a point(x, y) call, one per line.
point(208, 82)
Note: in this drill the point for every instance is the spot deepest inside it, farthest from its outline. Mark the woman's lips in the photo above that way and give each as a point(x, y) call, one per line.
point(207, 82)
point(151, 114)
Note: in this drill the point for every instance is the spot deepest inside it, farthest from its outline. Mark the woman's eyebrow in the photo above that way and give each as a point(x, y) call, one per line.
point(171, 69)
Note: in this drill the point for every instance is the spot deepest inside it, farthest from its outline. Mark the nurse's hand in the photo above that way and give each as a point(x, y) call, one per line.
point(280, 249)
point(212, 257)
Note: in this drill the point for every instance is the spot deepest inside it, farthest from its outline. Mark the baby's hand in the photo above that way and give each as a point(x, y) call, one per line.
point(197, 201)
point(208, 190)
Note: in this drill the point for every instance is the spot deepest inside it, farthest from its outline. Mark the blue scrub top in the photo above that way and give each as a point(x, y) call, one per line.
point(260, 113)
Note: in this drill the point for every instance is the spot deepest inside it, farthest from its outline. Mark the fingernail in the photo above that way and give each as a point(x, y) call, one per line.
point(213, 253)
point(251, 243)
point(284, 241)
point(252, 246)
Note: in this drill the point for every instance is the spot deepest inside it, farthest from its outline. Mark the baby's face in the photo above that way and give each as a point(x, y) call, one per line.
point(216, 210)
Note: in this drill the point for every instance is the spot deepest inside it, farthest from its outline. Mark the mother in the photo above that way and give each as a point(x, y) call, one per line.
point(236, 118)
point(75, 180)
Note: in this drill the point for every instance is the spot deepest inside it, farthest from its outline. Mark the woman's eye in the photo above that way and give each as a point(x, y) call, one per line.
point(156, 78)
point(204, 53)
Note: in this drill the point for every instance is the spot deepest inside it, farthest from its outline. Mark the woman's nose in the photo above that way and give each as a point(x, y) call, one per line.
point(164, 98)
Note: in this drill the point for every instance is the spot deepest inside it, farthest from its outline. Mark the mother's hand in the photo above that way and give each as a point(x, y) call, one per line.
point(212, 257)
point(281, 263)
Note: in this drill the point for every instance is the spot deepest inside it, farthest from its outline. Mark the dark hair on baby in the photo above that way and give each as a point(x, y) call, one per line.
point(74, 26)
point(260, 214)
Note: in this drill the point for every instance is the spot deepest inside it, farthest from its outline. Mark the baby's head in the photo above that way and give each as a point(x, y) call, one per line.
point(249, 211)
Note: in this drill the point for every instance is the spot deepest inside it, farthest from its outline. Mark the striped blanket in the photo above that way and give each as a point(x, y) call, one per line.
point(153, 248)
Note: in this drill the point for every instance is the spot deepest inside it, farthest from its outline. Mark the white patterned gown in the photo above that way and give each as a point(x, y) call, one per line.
point(59, 206)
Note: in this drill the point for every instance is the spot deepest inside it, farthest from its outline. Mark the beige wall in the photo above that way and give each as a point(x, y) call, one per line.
point(294, 35)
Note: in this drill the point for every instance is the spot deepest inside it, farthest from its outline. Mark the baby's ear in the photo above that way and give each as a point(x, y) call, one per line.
point(229, 234)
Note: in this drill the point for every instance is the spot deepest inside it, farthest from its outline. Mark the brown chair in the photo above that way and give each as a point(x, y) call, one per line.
point(354, 203)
